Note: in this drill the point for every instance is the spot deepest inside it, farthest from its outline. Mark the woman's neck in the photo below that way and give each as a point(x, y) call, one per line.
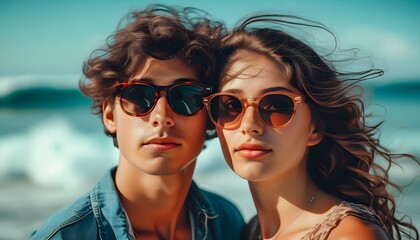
point(288, 209)
point(281, 203)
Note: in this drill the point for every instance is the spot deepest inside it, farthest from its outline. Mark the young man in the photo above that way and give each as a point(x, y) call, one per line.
point(148, 86)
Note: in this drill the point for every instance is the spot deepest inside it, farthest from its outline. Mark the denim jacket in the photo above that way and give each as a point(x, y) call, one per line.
point(100, 215)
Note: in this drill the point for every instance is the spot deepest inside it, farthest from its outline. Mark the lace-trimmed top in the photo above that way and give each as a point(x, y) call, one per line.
point(322, 230)
point(344, 209)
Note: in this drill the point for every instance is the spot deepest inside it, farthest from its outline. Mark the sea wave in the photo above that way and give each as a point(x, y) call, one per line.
point(40, 91)
point(44, 97)
point(16, 83)
point(13, 83)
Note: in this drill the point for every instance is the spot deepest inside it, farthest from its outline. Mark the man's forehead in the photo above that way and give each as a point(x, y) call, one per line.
point(162, 72)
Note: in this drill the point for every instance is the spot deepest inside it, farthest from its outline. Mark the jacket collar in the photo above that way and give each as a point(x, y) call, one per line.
point(201, 211)
point(111, 216)
point(108, 210)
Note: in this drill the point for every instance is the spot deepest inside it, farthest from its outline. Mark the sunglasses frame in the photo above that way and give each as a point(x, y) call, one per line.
point(247, 102)
point(118, 88)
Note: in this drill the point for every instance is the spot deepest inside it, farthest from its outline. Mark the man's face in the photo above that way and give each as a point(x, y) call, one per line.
point(160, 142)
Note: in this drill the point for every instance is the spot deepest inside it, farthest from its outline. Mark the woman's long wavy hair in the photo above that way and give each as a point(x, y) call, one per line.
point(160, 32)
point(342, 164)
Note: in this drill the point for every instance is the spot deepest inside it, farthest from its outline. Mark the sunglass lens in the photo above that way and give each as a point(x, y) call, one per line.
point(276, 109)
point(186, 100)
point(138, 99)
point(225, 110)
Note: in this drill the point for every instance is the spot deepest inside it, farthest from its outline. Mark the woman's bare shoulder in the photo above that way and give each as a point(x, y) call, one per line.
point(355, 228)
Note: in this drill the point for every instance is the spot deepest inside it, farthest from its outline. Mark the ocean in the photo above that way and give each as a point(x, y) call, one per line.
point(52, 150)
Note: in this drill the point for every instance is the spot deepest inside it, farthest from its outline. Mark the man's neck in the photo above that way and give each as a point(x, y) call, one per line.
point(155, 205)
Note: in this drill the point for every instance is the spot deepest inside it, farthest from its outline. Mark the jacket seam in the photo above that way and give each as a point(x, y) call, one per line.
point(96, 209)
point(68, 222)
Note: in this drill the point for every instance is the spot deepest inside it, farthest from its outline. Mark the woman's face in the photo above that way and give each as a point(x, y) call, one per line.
point(254, 150)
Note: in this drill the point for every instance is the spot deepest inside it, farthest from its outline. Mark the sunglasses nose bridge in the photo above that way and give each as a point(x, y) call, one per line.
point(249, 102)
point(162, 91)
point(249, 121)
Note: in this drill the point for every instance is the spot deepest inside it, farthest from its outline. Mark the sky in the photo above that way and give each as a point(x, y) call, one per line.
point(55, 37)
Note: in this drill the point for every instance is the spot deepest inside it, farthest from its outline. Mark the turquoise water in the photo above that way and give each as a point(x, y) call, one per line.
point(53, 149)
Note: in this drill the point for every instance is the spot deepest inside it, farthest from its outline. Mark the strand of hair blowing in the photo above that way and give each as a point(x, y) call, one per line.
point(343, 162)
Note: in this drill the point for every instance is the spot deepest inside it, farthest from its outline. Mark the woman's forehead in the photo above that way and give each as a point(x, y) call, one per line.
point(250, 65)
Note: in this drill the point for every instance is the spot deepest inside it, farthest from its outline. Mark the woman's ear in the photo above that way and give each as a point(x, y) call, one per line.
point(315, 136)
point(108, 117)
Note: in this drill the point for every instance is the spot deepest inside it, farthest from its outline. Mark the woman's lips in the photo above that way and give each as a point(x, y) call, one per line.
point(248, 150)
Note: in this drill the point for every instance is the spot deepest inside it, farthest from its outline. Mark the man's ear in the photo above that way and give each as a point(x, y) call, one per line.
point(315, 136)
point(108, 117)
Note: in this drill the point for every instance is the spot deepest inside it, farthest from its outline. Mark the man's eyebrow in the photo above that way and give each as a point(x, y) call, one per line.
point(155, 81)
point(146, 80)
point(181, 80)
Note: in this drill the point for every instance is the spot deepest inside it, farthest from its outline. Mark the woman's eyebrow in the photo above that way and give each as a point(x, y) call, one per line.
point(278, 88)
point(271, 89)
point(234, 90)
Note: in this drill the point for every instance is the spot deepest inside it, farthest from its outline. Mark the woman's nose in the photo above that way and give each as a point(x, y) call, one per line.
point(250, 124)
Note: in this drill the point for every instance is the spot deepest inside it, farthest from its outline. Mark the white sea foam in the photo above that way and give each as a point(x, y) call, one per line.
point(53, 154)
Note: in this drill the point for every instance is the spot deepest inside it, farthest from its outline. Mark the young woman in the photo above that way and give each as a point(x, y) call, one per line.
point(290, 124)
point(148, 87)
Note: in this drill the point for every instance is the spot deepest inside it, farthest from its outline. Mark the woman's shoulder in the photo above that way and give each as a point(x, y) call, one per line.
point(351, 221)
point(353, 227)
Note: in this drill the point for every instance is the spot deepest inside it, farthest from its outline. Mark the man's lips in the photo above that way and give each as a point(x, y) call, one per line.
point(249, 150)
point(161, 143)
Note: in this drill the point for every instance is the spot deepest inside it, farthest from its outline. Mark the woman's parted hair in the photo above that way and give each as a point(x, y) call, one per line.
point(343, 162)
point(160, 32)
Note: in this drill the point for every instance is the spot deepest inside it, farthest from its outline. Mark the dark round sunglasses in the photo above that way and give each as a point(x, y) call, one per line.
point(274, 109)
point(139, 99)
